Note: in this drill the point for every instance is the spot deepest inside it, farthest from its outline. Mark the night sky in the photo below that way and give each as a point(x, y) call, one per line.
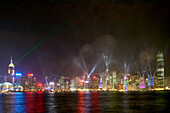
point(124, 30)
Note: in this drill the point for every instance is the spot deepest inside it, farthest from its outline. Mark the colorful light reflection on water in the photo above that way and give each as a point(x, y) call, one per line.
point(84, 102)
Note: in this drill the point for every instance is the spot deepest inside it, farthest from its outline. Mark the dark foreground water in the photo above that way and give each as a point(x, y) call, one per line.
point(86, 102)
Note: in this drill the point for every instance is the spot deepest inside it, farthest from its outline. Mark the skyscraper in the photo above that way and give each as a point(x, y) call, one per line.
point(125, 83)
point(11, 68)
point(160, 71)
point(101, 81)
point(114, 80)
point(106, 83)
point(72, 84)
point(11, 72)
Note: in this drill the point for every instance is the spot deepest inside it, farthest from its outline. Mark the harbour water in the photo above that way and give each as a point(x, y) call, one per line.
point(85, 102)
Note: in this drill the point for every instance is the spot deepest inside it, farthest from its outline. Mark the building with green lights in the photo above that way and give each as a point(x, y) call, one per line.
point(160, 71)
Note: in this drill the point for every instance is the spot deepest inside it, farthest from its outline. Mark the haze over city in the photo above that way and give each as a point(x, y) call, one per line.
point(124, 31)
point(84, 56)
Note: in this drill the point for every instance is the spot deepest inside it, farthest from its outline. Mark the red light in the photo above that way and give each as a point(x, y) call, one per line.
point(39, 85)
point(30, 75)
point(39, 92)
point(94, 77)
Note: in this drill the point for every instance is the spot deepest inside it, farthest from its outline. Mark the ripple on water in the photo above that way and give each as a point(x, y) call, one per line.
point(85, 102)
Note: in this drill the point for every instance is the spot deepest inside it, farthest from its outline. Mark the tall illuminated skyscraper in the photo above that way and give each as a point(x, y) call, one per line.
point(114, 80)
point(11, 70)
point(160, 70)
point(101, 82)
point(125, 83)
point(106, 79)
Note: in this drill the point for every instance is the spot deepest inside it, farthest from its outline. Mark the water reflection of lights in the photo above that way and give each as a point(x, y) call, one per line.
point(19, 99)
point(51, 102)
point(40, 106)
point(125, 102)
point(12, 103)
point(30, 102)
point(81, 102)
point(35, 102)
point(95, 102)
point(88, 102)
point(1, 102)
point(39, 92)
point(87, 99)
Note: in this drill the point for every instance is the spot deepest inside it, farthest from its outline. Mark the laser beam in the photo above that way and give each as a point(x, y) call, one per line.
point(51, 34)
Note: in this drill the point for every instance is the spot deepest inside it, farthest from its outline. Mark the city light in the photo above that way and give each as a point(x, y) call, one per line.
point(86, 81)
point(100, 85)
point(93, 80)
point(94, 77)
point(81, 80)
point(84, 56)
point(51, 83)
point(18, 74)
point(81, 83)
point(39, 85)
point(30, 75)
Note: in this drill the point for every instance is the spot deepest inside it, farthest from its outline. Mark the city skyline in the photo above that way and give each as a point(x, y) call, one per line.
point(108, 80)
point(145, 72)
point(84, 56)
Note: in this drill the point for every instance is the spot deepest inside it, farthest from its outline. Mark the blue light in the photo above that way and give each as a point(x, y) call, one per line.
point(18, 74)
point(149, 81)
point(100, 85)
point(152, 81)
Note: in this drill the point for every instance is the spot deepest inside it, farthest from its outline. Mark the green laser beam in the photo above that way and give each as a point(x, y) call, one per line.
point(51, 34)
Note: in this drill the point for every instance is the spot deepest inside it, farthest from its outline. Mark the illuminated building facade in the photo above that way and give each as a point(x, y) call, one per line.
point(84, 78)
point(142, 82)
point(120, 83)
point(72, 84)
point(77, 80)
point(104, 83)
point(87, 83)
point(109, 81)
point(65, 83)
point(18, 77)
point(11, 72)
point(167, 82)
point(81, 84)
point(51, 85)
point(125, 83)
point(149, 82)
point(133, 82)
point(58, 85)
point(62, 83)
point(101, 83)
point(114, 80)
point(107, 78)
point(152, 82)
point(95, 82)
point(160, 71)
point(137, 82)
point(29, 82)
